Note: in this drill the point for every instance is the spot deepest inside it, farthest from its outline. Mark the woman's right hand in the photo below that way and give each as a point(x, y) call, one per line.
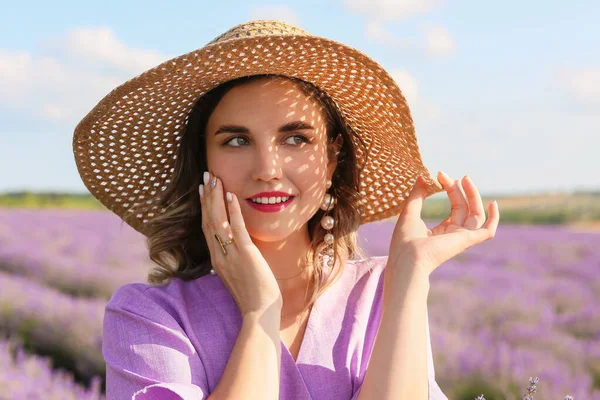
point(243, 270)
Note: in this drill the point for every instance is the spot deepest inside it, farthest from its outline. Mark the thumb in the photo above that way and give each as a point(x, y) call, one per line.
point(414, 202)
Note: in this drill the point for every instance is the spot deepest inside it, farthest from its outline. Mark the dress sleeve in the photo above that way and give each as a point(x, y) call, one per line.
point(147, 353)
point(435, 393)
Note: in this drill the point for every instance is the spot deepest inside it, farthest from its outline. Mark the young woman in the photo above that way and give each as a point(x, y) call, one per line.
point(249, 165)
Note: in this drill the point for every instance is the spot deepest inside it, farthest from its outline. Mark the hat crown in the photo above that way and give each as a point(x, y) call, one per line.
point(260, 28)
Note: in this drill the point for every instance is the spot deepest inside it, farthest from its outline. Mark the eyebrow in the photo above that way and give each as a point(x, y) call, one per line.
point(289, 127)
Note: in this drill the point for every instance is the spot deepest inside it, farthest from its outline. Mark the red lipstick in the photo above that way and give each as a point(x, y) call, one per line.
point(270, 207)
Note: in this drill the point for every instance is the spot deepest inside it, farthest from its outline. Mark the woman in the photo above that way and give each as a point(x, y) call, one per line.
point(249, 165)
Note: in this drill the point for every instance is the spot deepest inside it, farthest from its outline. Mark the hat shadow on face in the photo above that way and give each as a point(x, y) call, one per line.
point(268, 134)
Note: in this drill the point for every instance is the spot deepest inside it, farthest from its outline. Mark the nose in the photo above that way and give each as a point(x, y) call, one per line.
point(267, 163)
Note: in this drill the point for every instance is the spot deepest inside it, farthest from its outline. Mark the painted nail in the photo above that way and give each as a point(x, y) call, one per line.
point(206, 177)
point(201, 190)
point(229, 197)
point(213, 182)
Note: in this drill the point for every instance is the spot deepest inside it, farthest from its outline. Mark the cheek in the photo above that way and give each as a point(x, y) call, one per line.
point(311, 182)
point(227, 168)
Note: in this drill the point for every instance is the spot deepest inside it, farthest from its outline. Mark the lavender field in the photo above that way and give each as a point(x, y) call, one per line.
point(524, 304)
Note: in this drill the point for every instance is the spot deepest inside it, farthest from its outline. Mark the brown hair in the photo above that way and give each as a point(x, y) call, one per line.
point(175, 238)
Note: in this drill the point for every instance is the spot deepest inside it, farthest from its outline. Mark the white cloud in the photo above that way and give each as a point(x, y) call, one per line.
point(393, 9)
point(13, 66)
point(102, 45)
point(582, 84)
point(74, 73)
point(408, 85)
point(281, 13)
point(55, 112)
point(435, 40)
point(430, 110)
point(422, 110)
point(438, 41)
point(377, 31)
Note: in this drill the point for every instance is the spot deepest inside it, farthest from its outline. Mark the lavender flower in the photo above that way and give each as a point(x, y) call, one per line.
point(27, 376)
point(530, 390)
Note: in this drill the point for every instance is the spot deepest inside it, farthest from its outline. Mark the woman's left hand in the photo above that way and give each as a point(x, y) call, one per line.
point(413, 245)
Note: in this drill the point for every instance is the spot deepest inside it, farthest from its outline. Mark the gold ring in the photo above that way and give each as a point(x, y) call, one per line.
point(223, 244)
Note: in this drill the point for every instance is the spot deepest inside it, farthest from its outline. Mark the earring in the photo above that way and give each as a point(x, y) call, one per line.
point(327, 222)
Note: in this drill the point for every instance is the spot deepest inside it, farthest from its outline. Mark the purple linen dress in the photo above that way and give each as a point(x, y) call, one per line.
point(174, 341)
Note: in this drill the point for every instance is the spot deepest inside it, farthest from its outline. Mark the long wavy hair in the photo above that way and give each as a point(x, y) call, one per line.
point(175, 239)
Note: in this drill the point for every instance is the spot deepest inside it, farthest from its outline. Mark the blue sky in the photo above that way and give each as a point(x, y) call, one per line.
point(506, 92)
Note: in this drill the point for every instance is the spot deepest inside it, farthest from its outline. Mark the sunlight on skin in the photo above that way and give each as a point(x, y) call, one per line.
point(260, 157)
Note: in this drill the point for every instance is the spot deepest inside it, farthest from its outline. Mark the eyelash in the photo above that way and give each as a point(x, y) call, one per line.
point(304, 140)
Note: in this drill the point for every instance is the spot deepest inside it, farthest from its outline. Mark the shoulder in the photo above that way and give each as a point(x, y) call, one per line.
point(361, 280)
point(367, 268)
point(170, 299)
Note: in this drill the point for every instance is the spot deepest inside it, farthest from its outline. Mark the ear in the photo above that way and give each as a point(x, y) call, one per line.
point(337, 147)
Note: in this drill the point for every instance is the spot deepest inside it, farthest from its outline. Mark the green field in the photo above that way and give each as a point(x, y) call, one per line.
point(534, 209)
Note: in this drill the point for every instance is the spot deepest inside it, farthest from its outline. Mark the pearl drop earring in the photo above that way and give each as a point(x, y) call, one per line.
point(327, 223)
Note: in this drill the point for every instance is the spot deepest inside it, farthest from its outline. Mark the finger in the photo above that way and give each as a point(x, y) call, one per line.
point(459, 206)
point(458, 241)
point(476, 215)
point(218, 212)
point(488, 230)
point(493, 218)
point(414, 202)
point(207, 224)
point(207, 216)
point(238, 226)
point(441, 227)
point(210, 224)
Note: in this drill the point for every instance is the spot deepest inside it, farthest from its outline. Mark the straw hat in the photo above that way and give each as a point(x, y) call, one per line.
point(124, 148)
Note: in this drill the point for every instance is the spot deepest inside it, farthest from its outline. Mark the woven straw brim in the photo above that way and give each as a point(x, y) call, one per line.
point(124, 148)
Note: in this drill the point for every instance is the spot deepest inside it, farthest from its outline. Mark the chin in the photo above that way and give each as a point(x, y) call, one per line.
point(272, 235)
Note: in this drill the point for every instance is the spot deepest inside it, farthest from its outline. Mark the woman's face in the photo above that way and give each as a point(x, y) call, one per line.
point(268, 136)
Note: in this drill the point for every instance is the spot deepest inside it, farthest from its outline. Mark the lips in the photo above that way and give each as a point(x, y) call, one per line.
point(270, 194)
point(271, 207)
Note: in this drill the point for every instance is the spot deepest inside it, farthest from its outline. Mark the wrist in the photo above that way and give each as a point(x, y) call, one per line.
point(268, 319)
point(272, 311)
point(413, 272)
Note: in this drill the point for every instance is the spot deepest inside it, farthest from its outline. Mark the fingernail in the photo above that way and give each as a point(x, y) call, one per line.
point(201, 190)
point(213, 182)
point(206, 177)
point(444, 174)
point(229, 197)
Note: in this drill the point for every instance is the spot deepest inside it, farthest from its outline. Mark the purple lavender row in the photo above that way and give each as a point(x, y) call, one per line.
point(26, 377)
point(523, 304)
point(53, 322)
point(84, 253)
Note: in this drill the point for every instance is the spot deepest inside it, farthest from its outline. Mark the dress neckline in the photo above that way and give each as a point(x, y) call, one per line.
point(311, 325)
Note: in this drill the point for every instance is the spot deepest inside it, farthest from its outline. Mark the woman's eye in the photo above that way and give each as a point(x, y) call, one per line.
point(234, 139)
point(301, 139)
point(240, 141)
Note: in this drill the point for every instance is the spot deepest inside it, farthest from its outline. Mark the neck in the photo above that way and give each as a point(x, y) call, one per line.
point(288, 261)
